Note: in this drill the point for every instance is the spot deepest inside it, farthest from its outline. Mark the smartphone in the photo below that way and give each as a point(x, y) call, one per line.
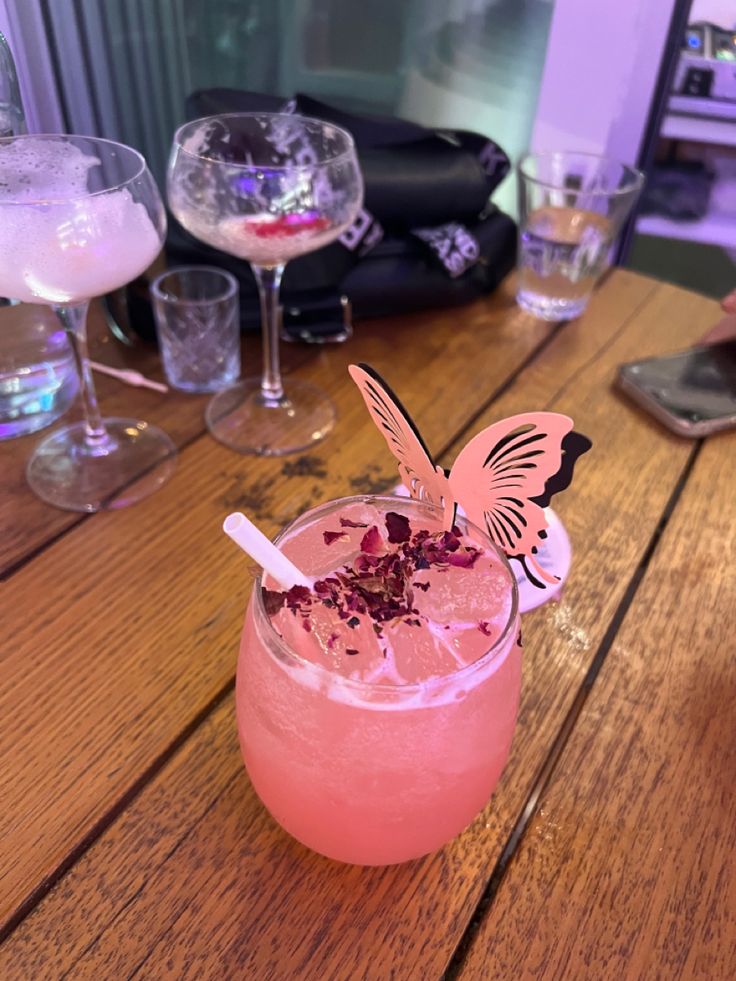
point(693, 393)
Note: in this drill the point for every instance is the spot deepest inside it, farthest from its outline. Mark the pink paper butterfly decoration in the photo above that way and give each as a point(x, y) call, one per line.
point(503, 479)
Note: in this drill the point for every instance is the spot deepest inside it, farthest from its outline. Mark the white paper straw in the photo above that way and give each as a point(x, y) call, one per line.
point(252, 540)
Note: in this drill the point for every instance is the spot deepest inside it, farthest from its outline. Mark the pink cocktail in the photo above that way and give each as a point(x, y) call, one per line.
point(370, 740)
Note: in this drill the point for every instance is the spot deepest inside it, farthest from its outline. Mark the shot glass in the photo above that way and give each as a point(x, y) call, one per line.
point(572, 206)
point(198, 327)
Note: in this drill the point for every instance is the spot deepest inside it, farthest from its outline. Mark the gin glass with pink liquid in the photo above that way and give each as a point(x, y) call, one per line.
point(376, 710)
point(80, 217)
point(266, 187)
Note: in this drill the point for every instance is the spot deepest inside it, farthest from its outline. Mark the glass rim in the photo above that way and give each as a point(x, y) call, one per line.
point(637, 176)
point(290, 167)
point(261, 618)
point(230, 290)
point(71, 138)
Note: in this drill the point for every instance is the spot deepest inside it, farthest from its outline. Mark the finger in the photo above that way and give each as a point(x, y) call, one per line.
point(724, 330)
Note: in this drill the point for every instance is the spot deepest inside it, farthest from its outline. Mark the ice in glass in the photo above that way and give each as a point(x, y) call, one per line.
point(376, 710)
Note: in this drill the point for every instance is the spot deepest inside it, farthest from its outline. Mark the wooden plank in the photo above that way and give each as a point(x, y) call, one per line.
point(119, 634)
point(26, 522)
point(218, 890)
point(626, 870)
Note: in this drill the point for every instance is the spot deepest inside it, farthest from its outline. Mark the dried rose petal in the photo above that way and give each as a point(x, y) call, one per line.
point(398, 527)
point(449, 542)
point(334, 536)
point(351, 651)
point(464, 560)
point(298, 594)
point(371, 542)
point(379, 584)
point(273, 600)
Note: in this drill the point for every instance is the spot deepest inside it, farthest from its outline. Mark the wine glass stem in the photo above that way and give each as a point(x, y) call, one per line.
point(73, 318)
point(268, 279)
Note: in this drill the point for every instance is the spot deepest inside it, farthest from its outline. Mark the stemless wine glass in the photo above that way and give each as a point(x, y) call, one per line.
point(266, 187)
point(79, 217)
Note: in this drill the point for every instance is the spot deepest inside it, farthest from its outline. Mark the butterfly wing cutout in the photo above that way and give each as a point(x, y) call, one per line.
point(424, 480)
point(507, 474)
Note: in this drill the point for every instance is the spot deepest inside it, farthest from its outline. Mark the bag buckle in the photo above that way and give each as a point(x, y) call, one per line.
point(326, 324)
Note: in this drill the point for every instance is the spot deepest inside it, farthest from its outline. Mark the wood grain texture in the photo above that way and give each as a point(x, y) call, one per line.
point(120, 633)
point(627, 869)
point(197, 881)
point(26, 522)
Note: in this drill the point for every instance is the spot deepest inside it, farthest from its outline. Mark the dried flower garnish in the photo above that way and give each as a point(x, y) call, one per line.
point(372, 543)
point(334, 536)
point(464, 560)
point(398, 527)
point(296, 596)
point(273, 600)
point(379, 583)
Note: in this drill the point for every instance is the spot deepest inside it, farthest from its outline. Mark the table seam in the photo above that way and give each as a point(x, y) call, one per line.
point(26, 906)
point(455, 964)
point(22, 561)
point(113, 812)
point(128, 796)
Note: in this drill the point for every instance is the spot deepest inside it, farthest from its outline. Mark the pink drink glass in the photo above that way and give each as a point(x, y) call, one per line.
point(374, 773)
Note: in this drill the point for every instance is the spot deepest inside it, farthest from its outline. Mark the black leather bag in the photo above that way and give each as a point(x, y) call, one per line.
point(428, 235)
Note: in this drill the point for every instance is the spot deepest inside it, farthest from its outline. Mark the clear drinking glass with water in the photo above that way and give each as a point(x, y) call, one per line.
point(571, 208)
point(38, 380)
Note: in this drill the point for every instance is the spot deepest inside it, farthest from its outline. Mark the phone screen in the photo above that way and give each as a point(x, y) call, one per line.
point(696, 386)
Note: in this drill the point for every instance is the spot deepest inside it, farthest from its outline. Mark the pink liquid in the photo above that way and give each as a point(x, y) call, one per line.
point(386, 754)
point(266, 240)
point(74, 245)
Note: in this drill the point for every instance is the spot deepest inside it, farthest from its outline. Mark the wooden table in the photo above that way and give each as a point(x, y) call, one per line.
point(131, 842)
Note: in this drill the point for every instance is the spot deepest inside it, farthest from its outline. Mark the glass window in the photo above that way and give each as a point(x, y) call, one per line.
point(125, 67)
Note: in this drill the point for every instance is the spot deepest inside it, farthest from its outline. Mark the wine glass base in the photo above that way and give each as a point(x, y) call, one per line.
point(133, 461)
point(240, 418)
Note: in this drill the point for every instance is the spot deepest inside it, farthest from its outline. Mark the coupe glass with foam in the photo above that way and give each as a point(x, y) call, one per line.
point(266, 187)
point(80, 217)
point(370, 757)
